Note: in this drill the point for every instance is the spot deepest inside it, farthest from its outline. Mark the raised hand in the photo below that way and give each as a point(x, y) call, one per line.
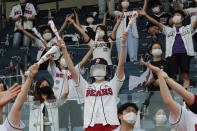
point(33, 70)
point(7, 96)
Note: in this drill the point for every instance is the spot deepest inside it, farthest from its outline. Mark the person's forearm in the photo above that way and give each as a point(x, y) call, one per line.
point(104, 20)
point(1, 116)
point(85, 36)
point(145, 5)
point(181, 7)
point(154, 22)
point(77, 20)
point(111, 12)
point(195, 24)
point(186, 95)
point(15, 19)
point(15, 113)
point(115, 29)
point(63, 28)
point(29, 35)
point(120, 68)
point(70, 64)
point(31, 18)
point(86, 57)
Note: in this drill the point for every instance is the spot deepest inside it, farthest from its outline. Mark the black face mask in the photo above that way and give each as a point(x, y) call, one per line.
point(46, 90)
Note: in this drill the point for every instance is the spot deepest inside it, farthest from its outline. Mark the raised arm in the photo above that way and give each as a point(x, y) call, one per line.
point(181, 7)
point(23, 77)
point(111, 12)
point(19, 27)
point(105, 18)
point(69, 62)
point(87, 56)
point(66, 90)
point(145, 5)
point(120, 67)
point(172, 105)
point(15, 113)
point(113, 35)
point(64, 25)
point(141, 12)
point(85, 36)
point(77, 18)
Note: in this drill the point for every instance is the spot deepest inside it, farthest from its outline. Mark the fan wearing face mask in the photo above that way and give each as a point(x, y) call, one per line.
point(100, 97)
point(57, 70)
point(132, 42)
point(192, 12)
point(160, 120)
point(103, 42)
point(43, 94)
point(156, 52)
point(22, 14)
point(90, 23)
point(127, 115)
point(179, 45)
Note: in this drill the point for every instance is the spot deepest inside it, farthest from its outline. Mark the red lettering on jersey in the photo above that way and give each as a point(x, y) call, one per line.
point(54, 44)
point(193, 14)
point(110, 91)
point(196, 127)
point(92, 92)
point(98, 93)
point(87, 93)
point(104, 91)
point(69, 77)
point(28, 12)
point(139, 85)
point(18, 13)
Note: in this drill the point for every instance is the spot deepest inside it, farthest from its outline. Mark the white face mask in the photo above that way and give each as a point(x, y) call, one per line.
point(99, 73)
point(22, 1)
point(156, 52)
point(47, 36)
point(101, 33)
point(99, 77)
point(63, 62)
point(125, 4)
point(176, 19)
point(160, 119)
point(130, 117)
point(90, 20)
point(156, 10)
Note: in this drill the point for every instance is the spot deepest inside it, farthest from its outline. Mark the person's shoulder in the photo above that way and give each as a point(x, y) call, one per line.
point(15, 5)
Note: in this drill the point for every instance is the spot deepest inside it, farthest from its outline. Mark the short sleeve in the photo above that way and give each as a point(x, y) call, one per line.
point(117, 13)
point(33, 10)
point(183, 120)
point(116, 82)
point(8, 126)
point(90, 42)
point(189, 11)
point(39, 44)
point(165, 29)
point(82, 83)
point(12, 12)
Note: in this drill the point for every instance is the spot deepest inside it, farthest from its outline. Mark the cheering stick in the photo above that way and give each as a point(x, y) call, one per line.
point(134, 16)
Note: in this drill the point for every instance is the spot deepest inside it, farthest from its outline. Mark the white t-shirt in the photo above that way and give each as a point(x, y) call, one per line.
point(41, 48)
point(123, 25)
point(8, 126)
point(84, 27)
point(102, 51)
point(29, 12)
point(186, 121)
point(100, 100)
point(58, 88)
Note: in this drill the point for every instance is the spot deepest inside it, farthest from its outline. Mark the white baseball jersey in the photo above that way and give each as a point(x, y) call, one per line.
point(41, 48)
point(186, 35)
point(8, 126)
point(58, 88)
point(123, 25)
point(29, 12)
point(192, 12)
point(84, 27)
point(100, 100)
point(186, 121)
point(101, 50)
